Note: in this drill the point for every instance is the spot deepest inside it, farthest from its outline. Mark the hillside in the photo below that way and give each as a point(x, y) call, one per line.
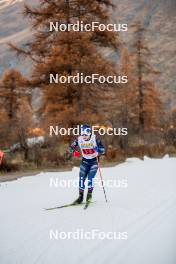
point(159, 18)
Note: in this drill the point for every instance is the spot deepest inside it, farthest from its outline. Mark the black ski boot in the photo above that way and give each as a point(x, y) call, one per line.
point(89, 197)
point(80, 198)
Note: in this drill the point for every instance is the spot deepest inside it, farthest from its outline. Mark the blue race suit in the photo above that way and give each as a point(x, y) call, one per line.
point(90, 149)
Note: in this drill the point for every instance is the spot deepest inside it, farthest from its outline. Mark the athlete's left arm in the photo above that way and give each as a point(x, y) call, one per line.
point(100, 148)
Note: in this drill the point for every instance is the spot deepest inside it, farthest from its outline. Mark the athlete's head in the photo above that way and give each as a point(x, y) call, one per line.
point(86, 132)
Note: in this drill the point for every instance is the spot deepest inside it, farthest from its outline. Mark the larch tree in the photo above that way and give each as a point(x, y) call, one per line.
point(67, 54)
point(24, 124)
point(128, 94)
point(13, 92)
point(149, 101)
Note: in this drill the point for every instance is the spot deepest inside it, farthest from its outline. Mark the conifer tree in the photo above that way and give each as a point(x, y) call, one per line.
point(68, 53)
point(149, 100)
point(12, 90)
point(174, 117)
point(128, 94)
point(14, 93)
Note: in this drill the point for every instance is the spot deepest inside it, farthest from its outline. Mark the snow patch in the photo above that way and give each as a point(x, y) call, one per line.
point(132, 160)
point(146, 210)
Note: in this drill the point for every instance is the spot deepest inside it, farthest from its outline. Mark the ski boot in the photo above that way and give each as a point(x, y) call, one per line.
point(89, 197)
point(80, 198)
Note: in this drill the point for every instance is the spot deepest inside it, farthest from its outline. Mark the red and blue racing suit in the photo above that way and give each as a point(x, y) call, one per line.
point(90, 149)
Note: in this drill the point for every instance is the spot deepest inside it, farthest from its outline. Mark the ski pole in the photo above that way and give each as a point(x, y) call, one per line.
point(101, 177)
